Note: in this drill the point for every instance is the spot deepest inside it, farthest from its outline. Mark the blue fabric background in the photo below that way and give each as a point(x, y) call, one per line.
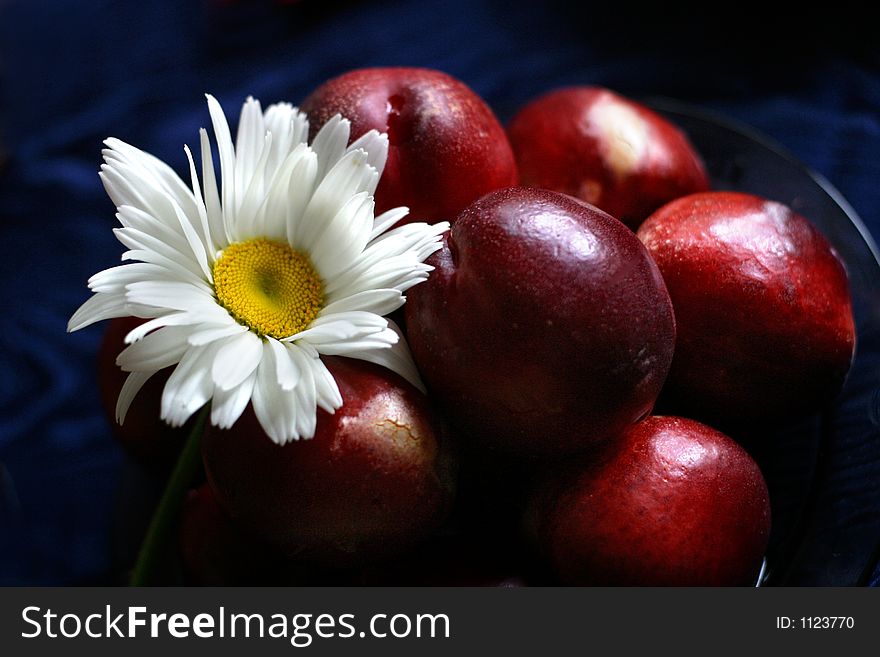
point(76, 71)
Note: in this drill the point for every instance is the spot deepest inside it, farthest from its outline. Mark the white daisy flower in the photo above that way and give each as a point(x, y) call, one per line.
point(246, 285)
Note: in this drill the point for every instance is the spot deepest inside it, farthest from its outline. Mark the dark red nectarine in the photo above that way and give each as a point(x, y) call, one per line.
point(373, 480)
point(545, 327)
point(446, 148)
point(762, 305)
point(674, 503)
point(605, 149)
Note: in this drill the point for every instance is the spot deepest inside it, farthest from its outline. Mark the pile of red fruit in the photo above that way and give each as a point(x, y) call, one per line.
point(546, 335)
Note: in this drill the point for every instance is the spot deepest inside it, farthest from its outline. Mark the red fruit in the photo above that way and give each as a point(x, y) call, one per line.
point(545, 327)
point(372, 482)
point(762, 305)
point(605, 149)
point(446, 148)
point(143, 434)
point(675, 503)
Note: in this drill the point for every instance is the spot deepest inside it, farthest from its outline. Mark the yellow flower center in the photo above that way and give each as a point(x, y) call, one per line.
point(268, 286)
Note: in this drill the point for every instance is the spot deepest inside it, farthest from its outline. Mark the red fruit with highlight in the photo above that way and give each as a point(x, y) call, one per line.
point(545, 327)
point(373, 481)
point(446, 148)
point(762, 305)
point(604, 149)
point(675, 503)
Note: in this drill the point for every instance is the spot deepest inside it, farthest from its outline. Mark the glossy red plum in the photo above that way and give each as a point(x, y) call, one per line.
point(676, 503)
point(762, 304)
point(605, 149)
point(372, 481)
point(446, 148)
point(545, 327)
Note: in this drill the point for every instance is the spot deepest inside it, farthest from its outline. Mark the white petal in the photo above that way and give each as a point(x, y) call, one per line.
point(211, 193)
point(130, 193)
point(278, 119)
point(306, 348)
point(173, 271)
point(340, 327)
point(291, 414)
point(396, 358)
point(247, 220)
point(248, 147)
point(289, 128)
point(387, 219)
point(236, 360)
point(125, 185)
point(350, 176)
point(280, 201)
point(173, 295)
point(330, 142)
point(170, 319)
point(130, 185)
point(150, 249)
point(343, 237)
point(287, 373)
point(115, 187)
point(396, 272)
point(306, 418)
point(116, 278)
point(418, 240)
point(369, 273)
point(168, 234)
point(390, 261)
point(327, 392)
point(375, 144)
point(197, 247)
point(204, 226)
point(160, 173)
point(418, 274)
point(211, 332)
point(157, 350)
point(228, 405)
point(359, 318)
point(353, 346)
point(380, 302)
point(299, 193)
point(133, 384)
point(96, 308)
point(275, 409)
point(413, 237)
point(189, 387)
point(227, 157)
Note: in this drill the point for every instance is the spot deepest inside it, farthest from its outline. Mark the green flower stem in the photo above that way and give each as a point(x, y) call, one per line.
point(167, 513)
